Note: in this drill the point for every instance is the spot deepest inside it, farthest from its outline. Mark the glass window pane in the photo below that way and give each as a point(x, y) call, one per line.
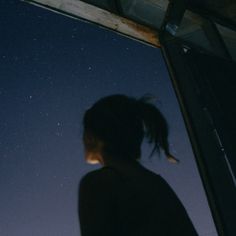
point(229, 37)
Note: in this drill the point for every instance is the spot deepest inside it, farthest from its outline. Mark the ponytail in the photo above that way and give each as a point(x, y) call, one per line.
point(155, 127)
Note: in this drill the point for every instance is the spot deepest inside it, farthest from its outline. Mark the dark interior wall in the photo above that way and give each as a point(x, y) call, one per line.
point(216, 81)
point(205, 87)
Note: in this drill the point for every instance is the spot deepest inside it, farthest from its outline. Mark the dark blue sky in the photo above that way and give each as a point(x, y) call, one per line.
point(52, 68)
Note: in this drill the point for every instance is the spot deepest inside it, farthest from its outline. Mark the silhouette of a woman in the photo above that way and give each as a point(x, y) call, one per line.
point(123, 198)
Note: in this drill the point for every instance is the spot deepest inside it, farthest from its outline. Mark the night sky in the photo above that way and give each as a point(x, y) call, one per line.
point(52, 68)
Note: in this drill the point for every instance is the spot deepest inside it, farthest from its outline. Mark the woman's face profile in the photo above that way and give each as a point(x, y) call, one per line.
point(93, 149)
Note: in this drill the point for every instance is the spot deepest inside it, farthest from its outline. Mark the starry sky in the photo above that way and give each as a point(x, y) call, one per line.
point(52, 68)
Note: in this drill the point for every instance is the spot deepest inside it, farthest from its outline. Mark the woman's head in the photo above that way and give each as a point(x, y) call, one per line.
point(115, 126)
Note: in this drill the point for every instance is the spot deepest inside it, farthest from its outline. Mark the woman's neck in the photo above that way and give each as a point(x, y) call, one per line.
point(129, 167)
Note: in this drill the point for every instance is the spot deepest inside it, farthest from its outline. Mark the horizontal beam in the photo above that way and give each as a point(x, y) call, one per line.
point(81, 10)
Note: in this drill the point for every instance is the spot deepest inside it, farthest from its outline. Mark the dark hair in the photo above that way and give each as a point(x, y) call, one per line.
point(121, 122)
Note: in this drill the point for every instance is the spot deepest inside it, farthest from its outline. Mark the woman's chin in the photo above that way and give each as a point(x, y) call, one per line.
point(92, 161)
